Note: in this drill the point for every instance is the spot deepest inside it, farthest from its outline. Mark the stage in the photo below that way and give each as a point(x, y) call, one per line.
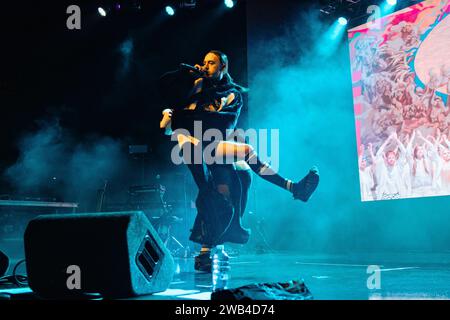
point(403, 276)
point(110, 166)
point(328, 277)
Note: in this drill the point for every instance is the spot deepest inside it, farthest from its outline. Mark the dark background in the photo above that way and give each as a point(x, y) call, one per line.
point(83, 88)
point(73, 101)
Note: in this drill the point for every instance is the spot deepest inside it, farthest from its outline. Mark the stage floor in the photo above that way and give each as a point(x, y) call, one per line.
point(328, 277)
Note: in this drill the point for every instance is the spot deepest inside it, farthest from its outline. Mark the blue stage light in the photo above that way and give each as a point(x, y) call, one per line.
point(229, 3)
point(391, 2)
point(170, 11)
point(342, 21)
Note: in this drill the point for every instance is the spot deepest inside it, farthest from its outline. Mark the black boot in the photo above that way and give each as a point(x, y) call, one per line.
point(303, 189)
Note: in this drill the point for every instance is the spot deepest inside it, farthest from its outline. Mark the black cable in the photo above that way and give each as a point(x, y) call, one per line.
point(15, 279)
point(24, 281)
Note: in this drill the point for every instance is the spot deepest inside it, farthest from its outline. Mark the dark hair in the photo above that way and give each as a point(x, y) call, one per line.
point(224, 61)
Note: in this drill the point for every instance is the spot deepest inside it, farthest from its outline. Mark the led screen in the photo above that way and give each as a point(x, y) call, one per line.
point(400, 67)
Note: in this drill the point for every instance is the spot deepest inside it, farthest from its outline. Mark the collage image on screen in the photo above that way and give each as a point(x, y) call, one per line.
point(401, 85)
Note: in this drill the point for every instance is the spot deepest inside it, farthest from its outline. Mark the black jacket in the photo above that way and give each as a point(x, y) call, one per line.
point(175, 89)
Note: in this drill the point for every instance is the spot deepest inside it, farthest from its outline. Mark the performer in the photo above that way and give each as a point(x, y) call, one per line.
point(444, 166)
point(366, 176)
point(213, 98)
point(422, 171)
point(223, 189)
point(389, 172)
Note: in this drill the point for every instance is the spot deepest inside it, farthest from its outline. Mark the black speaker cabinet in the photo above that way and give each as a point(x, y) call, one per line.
point(116, 254)
point(4, 263)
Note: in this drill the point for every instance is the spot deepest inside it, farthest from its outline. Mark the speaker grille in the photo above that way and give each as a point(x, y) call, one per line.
point(148, 256)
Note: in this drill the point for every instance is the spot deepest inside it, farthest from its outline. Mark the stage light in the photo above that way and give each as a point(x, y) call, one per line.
point(388, 7)
point(101, 11)
point(170, 11)
point(229, 3)
point(342, 21)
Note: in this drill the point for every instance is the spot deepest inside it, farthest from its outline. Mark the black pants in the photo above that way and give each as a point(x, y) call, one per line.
point(218, 219)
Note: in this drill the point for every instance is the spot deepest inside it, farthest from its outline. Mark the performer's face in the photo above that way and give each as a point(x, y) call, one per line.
point(391, 158)
point(212, 66)
point(419, 152)
point(446, 155)
point(363, 164)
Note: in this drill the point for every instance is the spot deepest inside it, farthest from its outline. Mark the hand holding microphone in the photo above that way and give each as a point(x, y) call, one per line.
point(198, 67)
point(195, 70)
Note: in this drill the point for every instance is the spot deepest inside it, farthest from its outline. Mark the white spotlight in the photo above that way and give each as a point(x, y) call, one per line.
point(342, 21)
point(101, 11)
point(229, 3)
point(391, 2)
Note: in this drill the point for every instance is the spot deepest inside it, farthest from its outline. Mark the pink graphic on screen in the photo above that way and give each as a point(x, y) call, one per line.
point(400, 68)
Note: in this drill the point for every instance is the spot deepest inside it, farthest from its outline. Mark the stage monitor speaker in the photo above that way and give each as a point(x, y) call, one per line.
point(4, 263)
point(116, 254)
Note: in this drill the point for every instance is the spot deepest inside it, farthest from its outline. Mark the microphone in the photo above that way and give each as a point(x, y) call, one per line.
point(192, 69)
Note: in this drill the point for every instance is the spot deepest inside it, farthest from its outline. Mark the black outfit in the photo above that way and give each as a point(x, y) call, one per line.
point(218, 220)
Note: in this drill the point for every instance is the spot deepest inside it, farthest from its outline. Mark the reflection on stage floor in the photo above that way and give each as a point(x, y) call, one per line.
point(328, 277)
